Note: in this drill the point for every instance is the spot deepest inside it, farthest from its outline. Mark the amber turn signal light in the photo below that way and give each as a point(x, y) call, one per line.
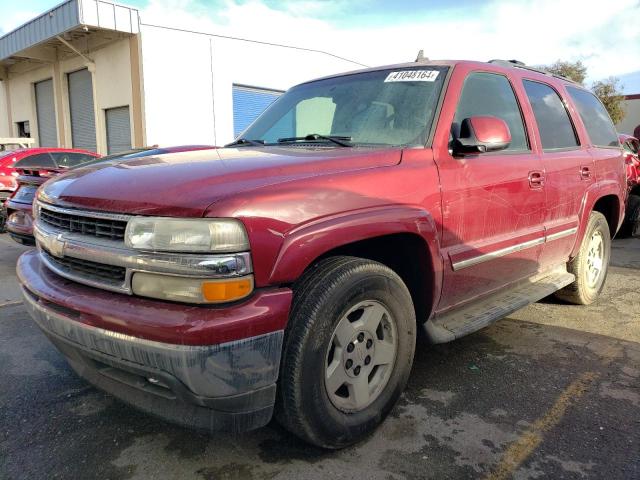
point(227, 290)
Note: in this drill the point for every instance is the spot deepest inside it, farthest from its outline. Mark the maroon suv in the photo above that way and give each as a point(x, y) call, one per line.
point(290, 271)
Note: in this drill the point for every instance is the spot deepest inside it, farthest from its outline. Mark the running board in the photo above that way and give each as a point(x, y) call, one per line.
point(456, 324)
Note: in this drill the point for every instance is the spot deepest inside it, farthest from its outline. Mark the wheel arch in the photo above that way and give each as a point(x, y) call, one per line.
point(402, 238)
point(605, 199)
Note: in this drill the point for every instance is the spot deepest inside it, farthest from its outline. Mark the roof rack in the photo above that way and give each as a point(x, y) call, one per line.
point(519, 64)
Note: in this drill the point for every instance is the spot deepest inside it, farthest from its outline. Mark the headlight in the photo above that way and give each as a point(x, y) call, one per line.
point(191, 289)
point(186, 235)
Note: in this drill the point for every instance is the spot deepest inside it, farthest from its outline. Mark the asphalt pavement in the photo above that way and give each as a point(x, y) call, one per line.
point(553, 391)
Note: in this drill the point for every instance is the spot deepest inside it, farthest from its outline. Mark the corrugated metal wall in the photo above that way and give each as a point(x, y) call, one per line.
point(118, 129)
point(83, 124)
point(248, 104)
point(46, 114)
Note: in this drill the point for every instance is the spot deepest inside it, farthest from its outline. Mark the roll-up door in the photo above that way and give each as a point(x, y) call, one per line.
point(46, 114)
point(118, 129)
point(248, 104)
point(83, 123)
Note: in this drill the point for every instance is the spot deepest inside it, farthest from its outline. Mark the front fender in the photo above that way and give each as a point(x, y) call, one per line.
point(304, 244)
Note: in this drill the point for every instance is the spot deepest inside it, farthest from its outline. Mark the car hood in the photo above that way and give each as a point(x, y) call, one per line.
point(185, 184)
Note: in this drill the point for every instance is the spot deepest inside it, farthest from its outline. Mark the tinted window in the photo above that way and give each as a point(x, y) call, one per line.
point(554, 125)
point(40, 161)
point(69, 159)
point(595, 118)
point(491, 94)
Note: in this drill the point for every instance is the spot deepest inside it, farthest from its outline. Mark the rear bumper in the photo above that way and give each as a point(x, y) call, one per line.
point(228, 385)
point(22, 232)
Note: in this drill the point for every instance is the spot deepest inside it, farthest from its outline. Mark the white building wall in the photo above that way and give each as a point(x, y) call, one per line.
point(188, 80)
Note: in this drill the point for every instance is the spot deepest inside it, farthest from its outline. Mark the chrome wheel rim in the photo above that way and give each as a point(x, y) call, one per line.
point(360, 356)
point(595, 259)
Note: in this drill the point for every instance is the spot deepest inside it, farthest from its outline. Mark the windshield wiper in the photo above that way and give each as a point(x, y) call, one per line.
point(246, 141)
point(338, 140)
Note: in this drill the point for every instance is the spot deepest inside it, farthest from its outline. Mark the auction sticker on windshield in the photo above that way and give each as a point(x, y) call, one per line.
point(412, 76)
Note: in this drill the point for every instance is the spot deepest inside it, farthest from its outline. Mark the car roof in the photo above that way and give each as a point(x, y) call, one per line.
point(34, 150)
point(503, 66)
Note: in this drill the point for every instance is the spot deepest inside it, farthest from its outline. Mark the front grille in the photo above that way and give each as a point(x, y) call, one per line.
point(98, 227)
point(89, 270)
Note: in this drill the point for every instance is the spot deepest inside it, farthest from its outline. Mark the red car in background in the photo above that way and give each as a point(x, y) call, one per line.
point(49, 158)
point(631, 146)
point(37, 169)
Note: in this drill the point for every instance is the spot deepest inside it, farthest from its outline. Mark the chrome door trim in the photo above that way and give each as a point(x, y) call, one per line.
point(485, 257)
point(562, 234)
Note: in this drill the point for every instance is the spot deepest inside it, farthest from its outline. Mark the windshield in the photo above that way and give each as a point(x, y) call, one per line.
point(385, 107)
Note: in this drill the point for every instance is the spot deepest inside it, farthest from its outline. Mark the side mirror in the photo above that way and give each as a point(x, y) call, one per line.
point(481, 134)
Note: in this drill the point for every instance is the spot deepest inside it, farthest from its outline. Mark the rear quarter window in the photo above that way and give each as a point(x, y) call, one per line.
point(596, 120)
point(40, 161)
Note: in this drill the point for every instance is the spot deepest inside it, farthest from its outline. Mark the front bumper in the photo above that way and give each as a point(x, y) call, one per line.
point(229, 385)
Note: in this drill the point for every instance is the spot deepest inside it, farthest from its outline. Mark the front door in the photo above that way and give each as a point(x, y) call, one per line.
point(493, 203)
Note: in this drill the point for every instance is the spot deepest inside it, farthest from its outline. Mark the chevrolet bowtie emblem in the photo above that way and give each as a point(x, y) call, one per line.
point(56, 245)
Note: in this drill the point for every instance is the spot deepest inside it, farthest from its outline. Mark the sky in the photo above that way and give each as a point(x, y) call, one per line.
point(604, 35)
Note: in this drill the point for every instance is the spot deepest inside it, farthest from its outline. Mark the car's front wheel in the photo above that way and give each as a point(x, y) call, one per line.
point(348, 351)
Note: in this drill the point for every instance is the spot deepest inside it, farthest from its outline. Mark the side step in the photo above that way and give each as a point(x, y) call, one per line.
point(469, 319)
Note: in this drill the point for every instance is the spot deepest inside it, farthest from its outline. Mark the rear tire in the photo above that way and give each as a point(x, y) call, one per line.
point(591, 264)
point(348, 351)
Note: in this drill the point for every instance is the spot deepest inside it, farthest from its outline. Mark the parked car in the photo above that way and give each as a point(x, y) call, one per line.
point(10, 151)
point(631, 146)
point(49, 158)
point(290, 271)
point(30, 168)
point(36, 170)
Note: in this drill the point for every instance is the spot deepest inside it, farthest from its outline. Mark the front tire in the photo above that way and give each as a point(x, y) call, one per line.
point(348, 351)
point(591, 264)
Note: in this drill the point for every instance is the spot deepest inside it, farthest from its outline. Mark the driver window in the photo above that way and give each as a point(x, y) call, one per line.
point(491, 94)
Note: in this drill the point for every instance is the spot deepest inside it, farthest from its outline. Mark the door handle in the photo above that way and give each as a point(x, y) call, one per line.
point(536, 179)
point(585, 173)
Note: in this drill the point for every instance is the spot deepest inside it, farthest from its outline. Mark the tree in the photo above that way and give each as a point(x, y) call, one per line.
point(609, 92)
point(575, 71)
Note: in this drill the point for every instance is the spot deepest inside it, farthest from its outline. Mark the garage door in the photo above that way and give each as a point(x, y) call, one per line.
point(83, 123)
point(118, 130)
point(248, 104)
point(46, 114)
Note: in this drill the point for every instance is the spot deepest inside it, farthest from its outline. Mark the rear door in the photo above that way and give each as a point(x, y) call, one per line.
point(568, 169)
point(492, 229)
point(604, 145)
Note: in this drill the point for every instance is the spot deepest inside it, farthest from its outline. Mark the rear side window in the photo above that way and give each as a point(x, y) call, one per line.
point(491, 94)
point(70, 159)
point(595, 118)
point(554, 124)
point(39, 161)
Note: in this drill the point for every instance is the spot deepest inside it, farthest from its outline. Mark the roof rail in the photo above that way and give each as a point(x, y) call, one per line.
point(519, 64)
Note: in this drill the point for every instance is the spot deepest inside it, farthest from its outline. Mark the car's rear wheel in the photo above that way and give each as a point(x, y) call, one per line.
point(591, 264)
point(348, 351)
